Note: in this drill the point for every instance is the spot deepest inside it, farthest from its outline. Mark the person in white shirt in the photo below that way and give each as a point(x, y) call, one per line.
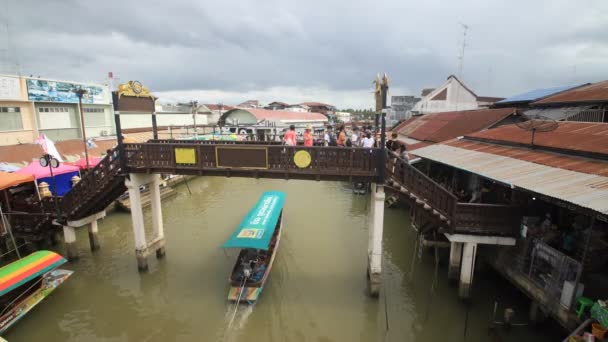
point(326, 136)
point(354, 138)
point(368, 141)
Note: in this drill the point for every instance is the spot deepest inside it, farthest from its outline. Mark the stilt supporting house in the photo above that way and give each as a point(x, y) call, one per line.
point(376, 225)
point(142, 246)
point(455, 259)
point(463, 253)
point(69, 234)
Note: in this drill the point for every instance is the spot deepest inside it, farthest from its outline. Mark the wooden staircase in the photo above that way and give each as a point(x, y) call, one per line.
point(97, 189)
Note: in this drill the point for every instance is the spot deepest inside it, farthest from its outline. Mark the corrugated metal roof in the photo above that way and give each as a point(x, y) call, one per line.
point(596, 92)
point(562, 161)
point(444, 126)
point(537, 94)
point(585, 190)
point(573, 136)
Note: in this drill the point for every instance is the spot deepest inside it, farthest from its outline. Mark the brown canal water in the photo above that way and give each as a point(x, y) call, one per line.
point(316, 291)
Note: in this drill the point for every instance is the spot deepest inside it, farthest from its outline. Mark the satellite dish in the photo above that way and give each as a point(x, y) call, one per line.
point(537, 123)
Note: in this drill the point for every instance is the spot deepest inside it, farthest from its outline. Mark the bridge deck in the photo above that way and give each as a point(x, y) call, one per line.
point(253, 160)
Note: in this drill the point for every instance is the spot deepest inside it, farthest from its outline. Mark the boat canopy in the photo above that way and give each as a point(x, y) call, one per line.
point(23, 270)
point(256, 229)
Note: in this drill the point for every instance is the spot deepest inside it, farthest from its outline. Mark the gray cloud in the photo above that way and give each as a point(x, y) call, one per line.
point(308, 48)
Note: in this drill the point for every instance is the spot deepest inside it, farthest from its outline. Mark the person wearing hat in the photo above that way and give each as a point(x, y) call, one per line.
point(308, 139)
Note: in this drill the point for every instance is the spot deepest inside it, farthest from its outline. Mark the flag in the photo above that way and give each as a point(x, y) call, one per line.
point(91, 143)
point(48, 146)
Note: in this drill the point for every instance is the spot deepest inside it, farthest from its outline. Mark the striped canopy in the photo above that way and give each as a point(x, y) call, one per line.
point(23, 270)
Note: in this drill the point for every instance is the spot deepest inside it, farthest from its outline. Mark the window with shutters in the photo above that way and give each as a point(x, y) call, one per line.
point(10, 119)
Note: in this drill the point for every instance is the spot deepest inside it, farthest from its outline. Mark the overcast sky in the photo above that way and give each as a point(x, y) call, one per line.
point(294, 51)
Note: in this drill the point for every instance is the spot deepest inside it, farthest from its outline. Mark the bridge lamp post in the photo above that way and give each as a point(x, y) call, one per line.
point(49, 161)
point(80, 92)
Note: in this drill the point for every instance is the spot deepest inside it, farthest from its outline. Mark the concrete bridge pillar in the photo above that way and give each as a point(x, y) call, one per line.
point(455, 258)
point(157, 215)
point(467, 269)
point(93, 236)
point(376, 226)
point(142, 246)
point(69, 236)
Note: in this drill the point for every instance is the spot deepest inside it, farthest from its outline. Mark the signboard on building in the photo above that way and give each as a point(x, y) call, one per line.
point(10, 89)
point(53, 91)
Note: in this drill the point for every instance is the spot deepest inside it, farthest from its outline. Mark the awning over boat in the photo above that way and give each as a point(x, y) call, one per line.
point(23, 270)
point(256, 229)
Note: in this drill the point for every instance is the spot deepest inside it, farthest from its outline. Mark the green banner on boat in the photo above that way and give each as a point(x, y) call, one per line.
point(256, 229)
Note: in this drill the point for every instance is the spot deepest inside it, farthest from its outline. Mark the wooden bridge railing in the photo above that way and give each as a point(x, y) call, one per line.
point(489, 219)
point(426, 189)
point(467, 218)
point(253, 160)
point(92, 186)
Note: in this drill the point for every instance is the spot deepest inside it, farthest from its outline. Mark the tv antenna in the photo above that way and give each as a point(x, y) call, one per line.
point(537, 123)
point(465, 28)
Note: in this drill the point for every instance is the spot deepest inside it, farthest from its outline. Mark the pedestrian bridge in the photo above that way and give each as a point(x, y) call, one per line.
point(254, 159)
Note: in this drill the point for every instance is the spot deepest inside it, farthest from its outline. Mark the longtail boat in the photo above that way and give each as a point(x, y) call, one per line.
point(26, 282)
point(258, 237)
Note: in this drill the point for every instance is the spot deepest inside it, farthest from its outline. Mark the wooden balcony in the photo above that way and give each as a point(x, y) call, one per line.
point(453, 216)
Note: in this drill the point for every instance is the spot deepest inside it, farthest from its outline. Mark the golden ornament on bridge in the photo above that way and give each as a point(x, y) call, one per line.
point(302, 159)
point(134, 88)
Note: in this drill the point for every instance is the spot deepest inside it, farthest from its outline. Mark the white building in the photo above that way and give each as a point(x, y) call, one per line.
point(343, 116)
point(452, 95)
point(299, 108)
point(31, 106)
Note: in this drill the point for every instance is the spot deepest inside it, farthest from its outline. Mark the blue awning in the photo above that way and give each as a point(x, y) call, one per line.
point(256, 229)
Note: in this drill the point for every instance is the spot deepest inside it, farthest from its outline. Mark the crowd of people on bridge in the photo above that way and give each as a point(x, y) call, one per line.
point(342, 136)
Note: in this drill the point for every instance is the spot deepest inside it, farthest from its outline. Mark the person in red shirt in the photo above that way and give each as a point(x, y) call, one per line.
point(290, 136)
point(308, 139)
point(341, 137)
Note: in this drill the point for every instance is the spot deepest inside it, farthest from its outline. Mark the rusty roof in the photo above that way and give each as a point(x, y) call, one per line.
point(73, 149)
point(596, 92)
point(70, 150)
point(568, 136)
point(540, 172)
point(317, 104)
point(20, 154)
point(557, 160)
point(439, 127)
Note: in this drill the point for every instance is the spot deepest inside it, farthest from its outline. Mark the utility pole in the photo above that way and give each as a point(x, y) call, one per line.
point(80, 92)
point(194, 105)
point(465, 28)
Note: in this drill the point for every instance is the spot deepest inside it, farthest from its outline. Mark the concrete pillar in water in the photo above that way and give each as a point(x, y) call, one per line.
point(93, 236)
point(157, 217)
point(455, 259)
point(69, 236)
point(374, 268)
point(137, 219)
point(142, 247)
point(467, 269)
